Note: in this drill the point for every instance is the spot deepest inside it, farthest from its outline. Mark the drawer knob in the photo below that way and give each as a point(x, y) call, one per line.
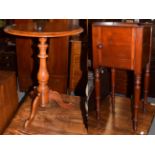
point(100, 46)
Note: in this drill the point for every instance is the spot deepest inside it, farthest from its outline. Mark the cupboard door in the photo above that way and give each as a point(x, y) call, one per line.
point(113, 47)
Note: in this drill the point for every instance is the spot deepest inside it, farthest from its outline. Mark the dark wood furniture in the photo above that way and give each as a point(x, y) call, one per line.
point(152, 68)
point(75, 68)
point(7, 51)
point(78, 68)
point(78, 61)
point(43, 31)
point(8, 58)
point(122, 46)
point(8, 98)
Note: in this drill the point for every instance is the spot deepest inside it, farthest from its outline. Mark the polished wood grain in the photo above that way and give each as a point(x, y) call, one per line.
point(51, 120)
point(97, 91)
point(123, 46)
point(113, 89)
point(8, 98)
point(119, 123)
point(25, 72)
point(124, 77)
point(43, 31)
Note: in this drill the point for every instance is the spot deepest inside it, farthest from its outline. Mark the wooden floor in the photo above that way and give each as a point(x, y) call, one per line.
point(52, 120)
point(119, 123)
point(56, 120)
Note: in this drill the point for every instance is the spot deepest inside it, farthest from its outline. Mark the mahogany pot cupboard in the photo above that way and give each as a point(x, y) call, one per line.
point(123, 78)
point(122, 46)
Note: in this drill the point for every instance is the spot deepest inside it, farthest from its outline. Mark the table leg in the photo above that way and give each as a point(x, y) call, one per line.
point(137, 88)
point(97, 91)
point(44, 94)
point(55, 96)
point(113, 89)
point(35, 105)
point(146, 84)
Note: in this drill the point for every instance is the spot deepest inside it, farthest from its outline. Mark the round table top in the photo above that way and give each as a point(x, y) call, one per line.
point(46, 30)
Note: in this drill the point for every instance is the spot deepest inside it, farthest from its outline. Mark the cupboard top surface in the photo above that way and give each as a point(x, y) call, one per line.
point(121, 24)
point(43, 30)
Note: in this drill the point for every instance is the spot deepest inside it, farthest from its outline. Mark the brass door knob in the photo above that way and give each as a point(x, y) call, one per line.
point(100, 45)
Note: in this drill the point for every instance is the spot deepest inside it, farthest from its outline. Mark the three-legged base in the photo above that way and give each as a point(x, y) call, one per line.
point(53, 96)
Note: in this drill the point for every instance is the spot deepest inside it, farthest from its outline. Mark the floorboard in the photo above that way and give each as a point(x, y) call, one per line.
point(119, 123)
point(52, 120)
